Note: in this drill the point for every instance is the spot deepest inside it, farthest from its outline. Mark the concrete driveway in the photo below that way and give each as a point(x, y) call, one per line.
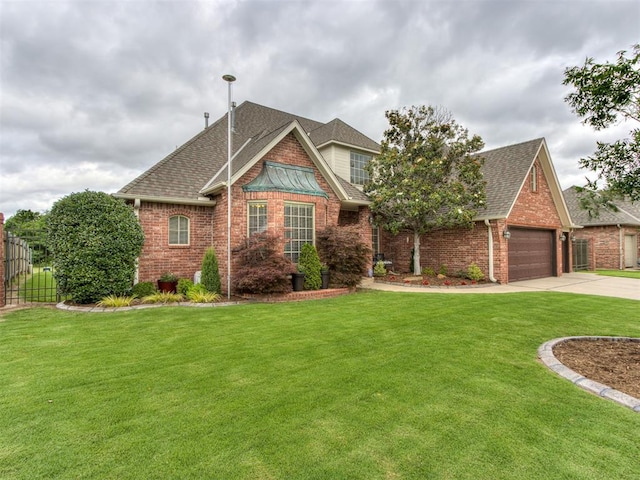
point(584, 283)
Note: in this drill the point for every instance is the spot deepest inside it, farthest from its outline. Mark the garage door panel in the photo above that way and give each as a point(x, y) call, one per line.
point(530, 254)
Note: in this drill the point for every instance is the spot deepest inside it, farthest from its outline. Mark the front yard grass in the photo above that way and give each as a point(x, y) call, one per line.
point(620, 273)
point(368, 386)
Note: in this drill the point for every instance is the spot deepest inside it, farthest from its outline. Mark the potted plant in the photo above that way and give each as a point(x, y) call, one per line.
point(324, 272)
point(297, 281)
point(168, 282)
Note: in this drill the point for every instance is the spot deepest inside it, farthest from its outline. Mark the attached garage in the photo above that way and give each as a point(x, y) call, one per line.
point(531, 254)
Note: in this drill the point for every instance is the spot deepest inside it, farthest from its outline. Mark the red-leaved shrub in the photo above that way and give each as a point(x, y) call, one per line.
point(344, 253)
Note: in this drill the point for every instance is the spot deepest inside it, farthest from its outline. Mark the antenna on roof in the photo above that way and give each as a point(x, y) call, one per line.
point(233, 117)
point(206, 119)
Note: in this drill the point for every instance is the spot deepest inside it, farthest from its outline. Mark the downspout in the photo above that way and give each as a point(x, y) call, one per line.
point(620, 246)
point(136, 211)
point(491, 277)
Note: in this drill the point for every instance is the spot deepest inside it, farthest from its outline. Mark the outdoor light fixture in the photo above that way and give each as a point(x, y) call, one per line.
point(229, 79)
point(573, 237)
point(563, 237)
point(506, 234)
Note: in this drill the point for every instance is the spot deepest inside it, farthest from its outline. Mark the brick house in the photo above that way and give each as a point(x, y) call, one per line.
point(289, 174)
point(296, 176)
point(611, 240)
point(518, 236)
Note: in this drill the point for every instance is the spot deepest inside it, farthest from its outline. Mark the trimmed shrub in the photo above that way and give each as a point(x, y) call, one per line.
point(379, 270)
point(95, 240)
point(210, 274)
point(344, 253)
point(143, 289)
point(184, 284)
point(263, 267)
point(309, 264)
point(474, 273)
point(429, 272)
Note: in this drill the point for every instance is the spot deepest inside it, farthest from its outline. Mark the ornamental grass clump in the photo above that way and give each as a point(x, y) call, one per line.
point(163, 297)
point(198, 293)
point(115, 301)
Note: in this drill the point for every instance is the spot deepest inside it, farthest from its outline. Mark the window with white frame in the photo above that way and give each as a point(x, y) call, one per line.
point(298, 228)
point(359, 175)
point(375, 240)
point(257, 213)
point(178, 230)
point(534, 178)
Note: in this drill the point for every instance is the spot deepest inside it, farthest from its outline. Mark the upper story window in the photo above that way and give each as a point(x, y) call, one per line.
point(178, 230)
point(298, 227)
point(359, 175)
point(534, 178)
point(257, 217)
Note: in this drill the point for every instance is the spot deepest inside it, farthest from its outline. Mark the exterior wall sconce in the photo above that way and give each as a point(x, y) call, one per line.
point(506, 234)
point(573, 238)
point(563, 237)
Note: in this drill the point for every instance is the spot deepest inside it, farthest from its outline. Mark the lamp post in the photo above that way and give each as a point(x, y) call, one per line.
point(229, 79)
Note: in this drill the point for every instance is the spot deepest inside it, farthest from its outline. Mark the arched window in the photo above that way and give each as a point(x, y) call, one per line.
point(178, 230)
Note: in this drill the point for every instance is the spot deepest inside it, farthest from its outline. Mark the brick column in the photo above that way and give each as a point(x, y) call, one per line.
point(2, 302)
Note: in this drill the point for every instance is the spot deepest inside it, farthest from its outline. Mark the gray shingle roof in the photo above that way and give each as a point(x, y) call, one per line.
point(629, 214)
point(184, 172)
point(505, 169)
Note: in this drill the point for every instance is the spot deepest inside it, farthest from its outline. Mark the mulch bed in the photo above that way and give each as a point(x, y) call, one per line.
point(428, 280)
point(612, 363)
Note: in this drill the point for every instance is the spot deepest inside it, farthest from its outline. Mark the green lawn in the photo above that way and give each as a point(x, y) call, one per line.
point(375, 385)
point(619, 273)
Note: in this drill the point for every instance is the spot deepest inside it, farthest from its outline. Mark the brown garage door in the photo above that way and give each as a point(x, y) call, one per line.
point(530, 254)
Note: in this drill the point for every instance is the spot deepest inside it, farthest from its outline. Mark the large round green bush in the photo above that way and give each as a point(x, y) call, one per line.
point(95, 240)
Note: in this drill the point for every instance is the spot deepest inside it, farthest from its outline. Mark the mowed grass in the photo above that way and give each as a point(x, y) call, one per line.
point(620, 273)
point(374, 385)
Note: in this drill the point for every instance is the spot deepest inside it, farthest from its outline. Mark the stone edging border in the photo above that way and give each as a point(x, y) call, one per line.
point(546, 356)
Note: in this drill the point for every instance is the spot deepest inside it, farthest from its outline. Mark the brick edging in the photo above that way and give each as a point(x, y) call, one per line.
point(546, 356)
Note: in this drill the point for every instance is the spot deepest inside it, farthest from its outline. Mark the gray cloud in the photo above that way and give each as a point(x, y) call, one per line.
point(94, 92)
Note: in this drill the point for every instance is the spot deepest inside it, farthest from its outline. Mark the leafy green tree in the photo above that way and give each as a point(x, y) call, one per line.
point(426, 176)
point(95, 240)
point(210, 273)
point(605, 94)
point(31, 227)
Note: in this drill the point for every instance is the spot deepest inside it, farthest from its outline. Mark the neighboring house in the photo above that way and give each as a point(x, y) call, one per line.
point(296, 176)
point(520, 235)
point(609, 240)
point(289, 174)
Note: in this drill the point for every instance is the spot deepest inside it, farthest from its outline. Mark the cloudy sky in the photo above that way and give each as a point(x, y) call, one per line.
point(92, 93)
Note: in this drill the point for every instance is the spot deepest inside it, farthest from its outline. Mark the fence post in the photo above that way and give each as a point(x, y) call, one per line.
point(2, 301)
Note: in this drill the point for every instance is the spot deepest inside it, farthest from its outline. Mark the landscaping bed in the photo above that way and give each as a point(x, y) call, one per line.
point(428, 280)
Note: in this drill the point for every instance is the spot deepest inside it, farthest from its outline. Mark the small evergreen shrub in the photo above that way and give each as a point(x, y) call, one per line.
point(184, 284)
point(210, 273)
point(429, 272)
point(309, 264)
point(379, 270)
point(474, 273)
point(95, 240)
point(344, 253)
point(263, 267)
point(443, 270)
point(143, 289)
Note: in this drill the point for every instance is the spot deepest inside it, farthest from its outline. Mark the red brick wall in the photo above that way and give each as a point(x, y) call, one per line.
point(209, 224)
point(158, 256)
point(457, 249)
point(605, 247)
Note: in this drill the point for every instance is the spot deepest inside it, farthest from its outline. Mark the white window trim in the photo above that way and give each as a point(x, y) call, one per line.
point(188, 231)
point(351, 166)
point(253, 203)
point(313, 221)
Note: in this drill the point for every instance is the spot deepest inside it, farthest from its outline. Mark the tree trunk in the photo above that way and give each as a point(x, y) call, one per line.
point(416, 254)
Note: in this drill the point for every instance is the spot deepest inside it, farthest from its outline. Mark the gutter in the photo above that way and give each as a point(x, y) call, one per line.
point(490, 237)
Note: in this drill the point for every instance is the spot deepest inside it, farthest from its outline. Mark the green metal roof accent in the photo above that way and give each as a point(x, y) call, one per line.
point(277, 177)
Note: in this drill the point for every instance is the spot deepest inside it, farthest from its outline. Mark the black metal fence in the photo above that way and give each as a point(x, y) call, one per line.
point(28, 270)
point(581, 255)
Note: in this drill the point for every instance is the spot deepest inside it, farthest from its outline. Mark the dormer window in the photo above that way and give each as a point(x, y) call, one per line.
point(534, 178)
point(359, 174)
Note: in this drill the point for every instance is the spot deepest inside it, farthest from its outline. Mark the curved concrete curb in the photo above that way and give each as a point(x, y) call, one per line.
point(546, 356)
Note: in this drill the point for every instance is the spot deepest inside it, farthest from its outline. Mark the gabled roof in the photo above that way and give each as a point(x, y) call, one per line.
point(627, 214)
point(506, 170)
point(198, 167)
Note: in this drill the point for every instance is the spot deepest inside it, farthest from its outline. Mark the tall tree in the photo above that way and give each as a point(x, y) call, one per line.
point(426, 176)
point(607, 93)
